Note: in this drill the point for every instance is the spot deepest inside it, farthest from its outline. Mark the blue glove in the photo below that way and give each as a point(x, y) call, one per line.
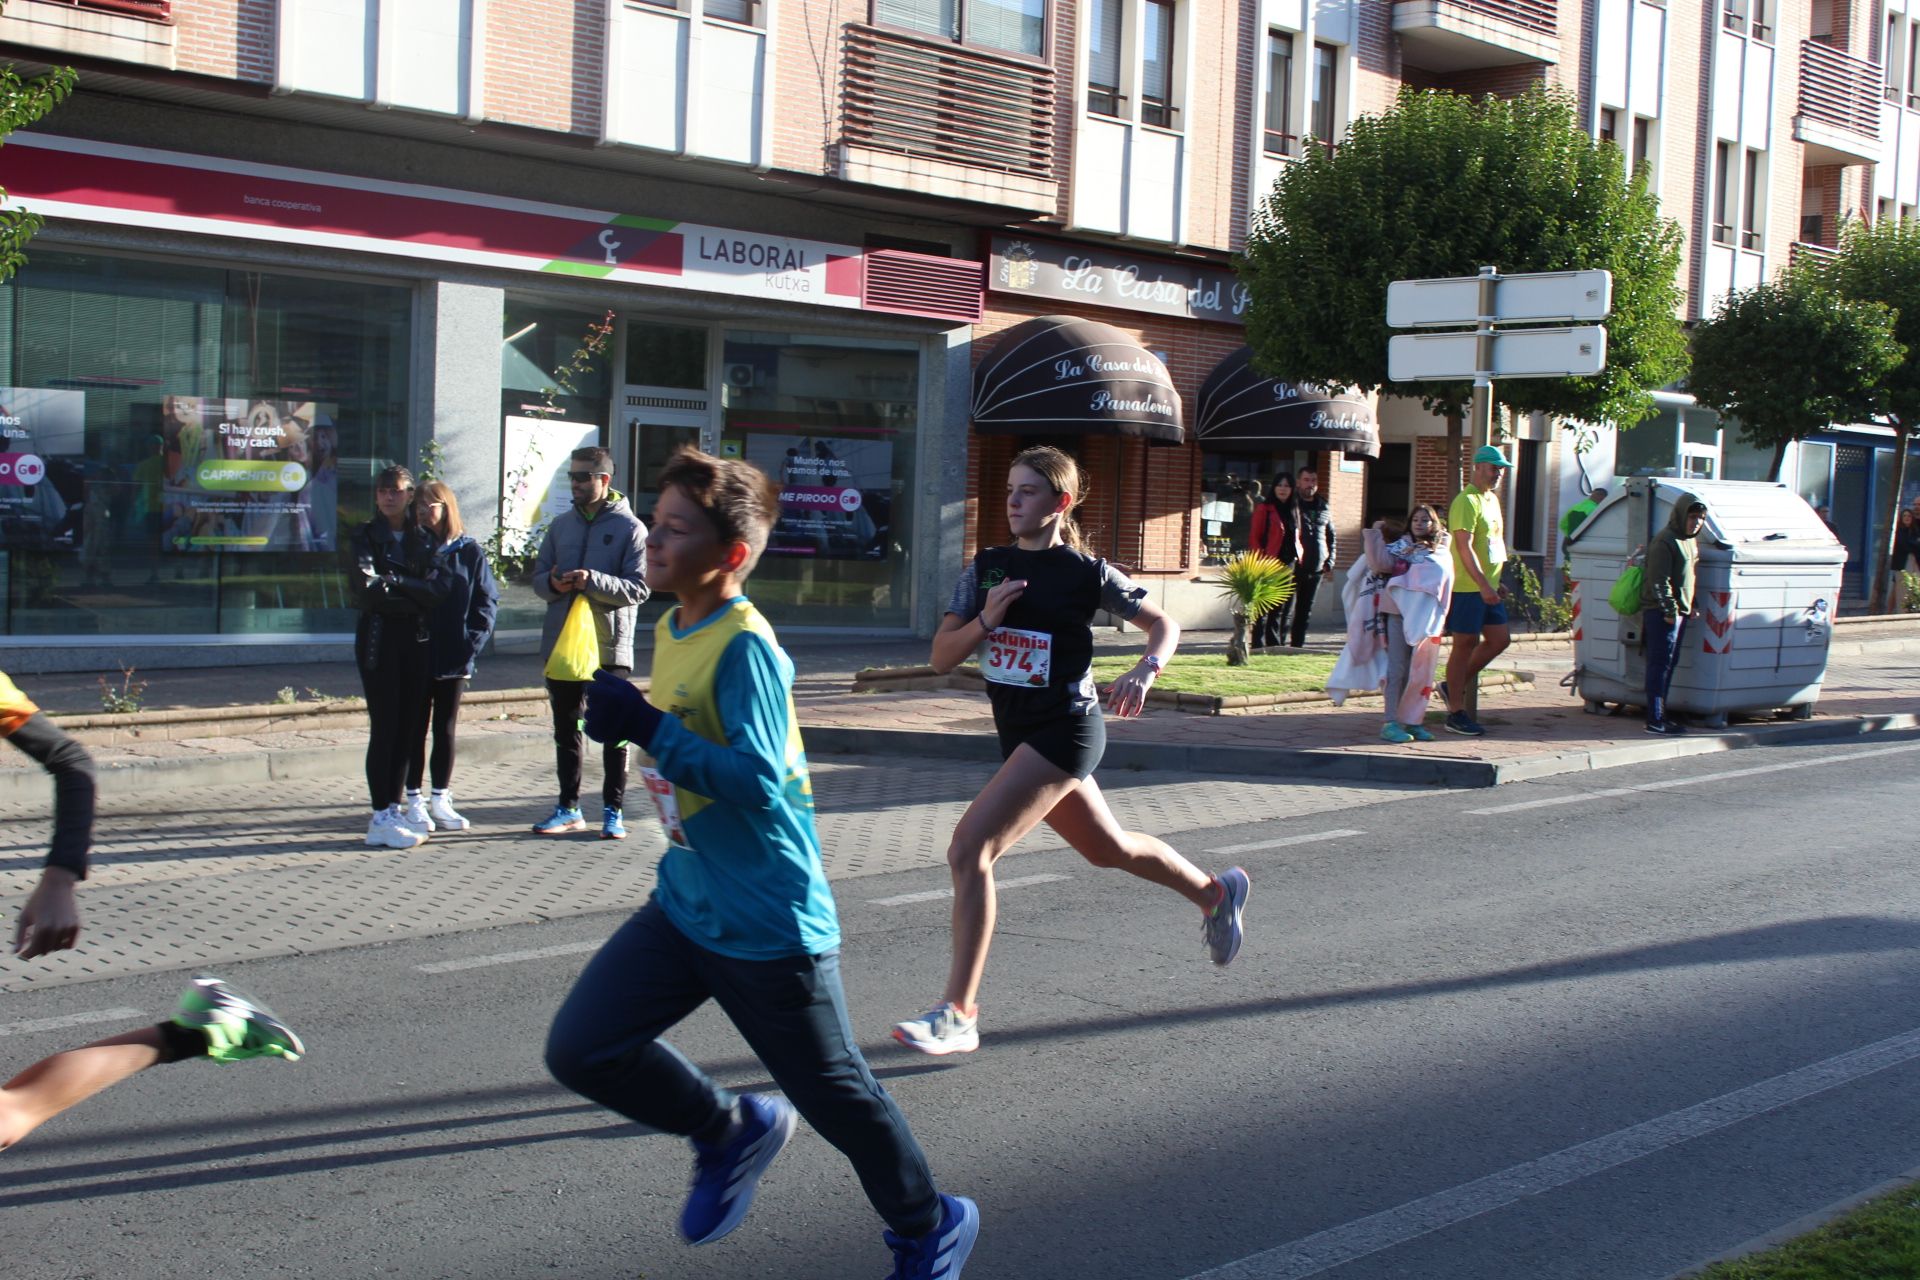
point(619, 712)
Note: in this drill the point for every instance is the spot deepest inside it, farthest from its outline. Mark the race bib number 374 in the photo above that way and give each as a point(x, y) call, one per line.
point(1018, 657)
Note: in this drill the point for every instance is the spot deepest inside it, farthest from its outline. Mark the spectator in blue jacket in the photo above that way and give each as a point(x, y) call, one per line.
point(458, 628)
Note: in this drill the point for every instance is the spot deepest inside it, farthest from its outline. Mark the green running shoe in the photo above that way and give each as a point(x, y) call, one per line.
point(236, 1027)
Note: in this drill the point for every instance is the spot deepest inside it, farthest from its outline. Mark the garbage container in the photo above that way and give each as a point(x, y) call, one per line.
point(1768, 587)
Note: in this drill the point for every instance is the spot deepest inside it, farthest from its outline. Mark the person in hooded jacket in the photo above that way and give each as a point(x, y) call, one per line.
point(397, 580)
point(597, 549)
point(1666, 602)
point(458, 628)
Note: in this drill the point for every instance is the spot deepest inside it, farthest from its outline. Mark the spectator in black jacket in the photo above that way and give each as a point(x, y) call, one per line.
point(1316, 548)
point(457, 630)
point(396, 581)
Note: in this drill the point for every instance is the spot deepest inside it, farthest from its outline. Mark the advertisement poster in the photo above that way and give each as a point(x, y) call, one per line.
point(43, 448)
point(535, 455)
point(836, 493)
point(248, 475)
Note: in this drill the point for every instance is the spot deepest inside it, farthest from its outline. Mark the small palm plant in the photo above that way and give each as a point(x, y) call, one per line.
point(1255, 584)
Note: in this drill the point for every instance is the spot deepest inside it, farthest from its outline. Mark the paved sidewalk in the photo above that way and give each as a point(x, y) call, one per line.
point(1535, 730)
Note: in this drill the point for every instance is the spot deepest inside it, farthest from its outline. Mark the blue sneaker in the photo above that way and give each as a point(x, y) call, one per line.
point(1419, 733)
point(564, 818)
point(724, 1176)
point(939, 1254)
point(1392, 731)
point(1461, 723)
point(1221, 926)
point(613, 826)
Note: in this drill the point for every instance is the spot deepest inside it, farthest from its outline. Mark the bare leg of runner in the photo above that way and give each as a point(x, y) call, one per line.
point(1025, 790)
point(54, 1084)
point(1083, 820)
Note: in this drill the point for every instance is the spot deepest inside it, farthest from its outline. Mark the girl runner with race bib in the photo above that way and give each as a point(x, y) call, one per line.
point(1028, 609)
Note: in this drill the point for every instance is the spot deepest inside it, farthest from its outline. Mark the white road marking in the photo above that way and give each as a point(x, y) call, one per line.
point(511, 957)
point(1282, 842)
point(1337, 1246)
point(70, 1020)
point(931, 895)
point(1687, 782)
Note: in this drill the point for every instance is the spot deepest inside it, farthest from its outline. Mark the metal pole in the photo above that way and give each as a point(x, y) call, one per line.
point(1481, 412)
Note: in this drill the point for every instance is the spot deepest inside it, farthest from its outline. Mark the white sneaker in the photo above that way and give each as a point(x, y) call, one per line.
point(385, 832)
point(440, 810)
point(413, 813)
point(945, 1030)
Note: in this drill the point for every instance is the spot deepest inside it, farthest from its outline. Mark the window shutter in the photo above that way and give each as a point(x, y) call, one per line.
point(936, 17)
point(1017, 26)
point(1103, 50)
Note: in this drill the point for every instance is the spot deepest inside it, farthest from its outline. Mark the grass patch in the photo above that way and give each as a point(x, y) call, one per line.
point(1209, 673)
point(1878, 1241)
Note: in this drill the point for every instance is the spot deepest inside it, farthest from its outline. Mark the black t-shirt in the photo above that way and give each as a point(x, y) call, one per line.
point(1039, 663)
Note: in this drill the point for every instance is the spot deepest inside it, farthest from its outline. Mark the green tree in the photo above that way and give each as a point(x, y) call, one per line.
point(1440, 186)
point(1791, 356)
point(1880, 262)
point(22, 101)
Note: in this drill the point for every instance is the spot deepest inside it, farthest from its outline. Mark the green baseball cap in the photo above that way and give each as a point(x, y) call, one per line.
point(1491, 454)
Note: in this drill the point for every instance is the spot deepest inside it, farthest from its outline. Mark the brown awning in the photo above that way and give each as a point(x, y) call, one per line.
point(1066, 376)
point(1239, 406)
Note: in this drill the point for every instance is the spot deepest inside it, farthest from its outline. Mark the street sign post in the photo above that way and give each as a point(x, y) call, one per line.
point(1484, 353)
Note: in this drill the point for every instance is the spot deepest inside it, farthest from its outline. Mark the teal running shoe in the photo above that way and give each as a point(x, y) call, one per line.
point(563, 819)
point(613, 825)
point(236, 1026)
point(1391, 731)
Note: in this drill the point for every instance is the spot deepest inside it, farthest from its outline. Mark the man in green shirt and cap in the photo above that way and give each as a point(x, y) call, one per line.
point(1477, 619)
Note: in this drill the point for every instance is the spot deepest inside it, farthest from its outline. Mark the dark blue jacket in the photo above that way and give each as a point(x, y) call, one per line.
point(460, 624)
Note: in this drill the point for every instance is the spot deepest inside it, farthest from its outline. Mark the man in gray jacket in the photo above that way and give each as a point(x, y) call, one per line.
point(598, 549)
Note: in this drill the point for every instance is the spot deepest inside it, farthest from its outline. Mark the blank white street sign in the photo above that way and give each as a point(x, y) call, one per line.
point(1540, 295)
point(1517, 353)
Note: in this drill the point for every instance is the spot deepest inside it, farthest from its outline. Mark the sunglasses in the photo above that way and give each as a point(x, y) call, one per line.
point(581, 477)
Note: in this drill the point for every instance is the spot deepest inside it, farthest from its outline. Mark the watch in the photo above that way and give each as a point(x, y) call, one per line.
point(1153, 662)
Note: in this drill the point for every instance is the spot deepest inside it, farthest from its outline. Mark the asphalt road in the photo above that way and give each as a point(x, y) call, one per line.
point(1622, 1022)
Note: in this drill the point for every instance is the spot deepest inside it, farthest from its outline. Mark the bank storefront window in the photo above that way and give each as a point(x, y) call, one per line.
point(187, 448)
point(834, 422)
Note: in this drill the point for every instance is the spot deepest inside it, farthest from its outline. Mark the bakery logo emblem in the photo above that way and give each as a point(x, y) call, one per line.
point(1017, 266)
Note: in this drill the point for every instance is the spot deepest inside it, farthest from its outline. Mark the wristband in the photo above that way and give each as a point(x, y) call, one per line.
point(1153, 663)
point(985, 630)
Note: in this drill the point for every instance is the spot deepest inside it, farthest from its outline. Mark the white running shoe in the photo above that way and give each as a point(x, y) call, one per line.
point(441, 812)
point(385, 832)
point(413, 813)
point(943, 1030)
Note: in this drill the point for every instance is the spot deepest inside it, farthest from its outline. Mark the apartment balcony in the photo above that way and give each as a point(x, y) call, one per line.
point(1839, 118)
point(947, 120)
point(1463, 35)
point(1803, 254)
point(139, 31)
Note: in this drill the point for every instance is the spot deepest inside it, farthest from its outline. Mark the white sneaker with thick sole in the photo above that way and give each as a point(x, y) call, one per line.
point(941, 1031)
point(413, 813)
point(440, 810)
point(385, 832)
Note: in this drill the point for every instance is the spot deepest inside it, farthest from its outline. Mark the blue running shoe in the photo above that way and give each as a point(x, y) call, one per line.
point(1461, 723)
point(1221, 926)
point(613, 826)
point(939, 1254)
point(724, 1176)
point(564, 818)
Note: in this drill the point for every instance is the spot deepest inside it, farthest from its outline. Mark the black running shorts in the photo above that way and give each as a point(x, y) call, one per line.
point(1072, 744)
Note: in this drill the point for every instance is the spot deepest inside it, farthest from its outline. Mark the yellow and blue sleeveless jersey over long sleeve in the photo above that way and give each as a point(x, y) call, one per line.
point(747, 882)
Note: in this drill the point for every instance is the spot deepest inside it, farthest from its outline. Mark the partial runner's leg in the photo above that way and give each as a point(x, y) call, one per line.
point(65, 1080)
point(1025, 790)
point(1083, 820)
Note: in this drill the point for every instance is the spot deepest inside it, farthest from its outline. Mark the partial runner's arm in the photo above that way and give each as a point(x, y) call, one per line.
point(50, 920)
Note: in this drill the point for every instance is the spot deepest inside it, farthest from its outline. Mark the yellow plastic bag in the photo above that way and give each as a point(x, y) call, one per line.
point(576, 652)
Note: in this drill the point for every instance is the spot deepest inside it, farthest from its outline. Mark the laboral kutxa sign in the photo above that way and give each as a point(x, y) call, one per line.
point(176, 191)
point(1074, 273)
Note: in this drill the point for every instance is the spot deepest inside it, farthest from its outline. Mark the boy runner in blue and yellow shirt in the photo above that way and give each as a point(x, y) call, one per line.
point(742, 914)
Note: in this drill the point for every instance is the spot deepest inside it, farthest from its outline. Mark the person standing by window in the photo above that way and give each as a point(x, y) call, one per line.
point(1276, 532)
point(396, 582)
point(458, 629)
